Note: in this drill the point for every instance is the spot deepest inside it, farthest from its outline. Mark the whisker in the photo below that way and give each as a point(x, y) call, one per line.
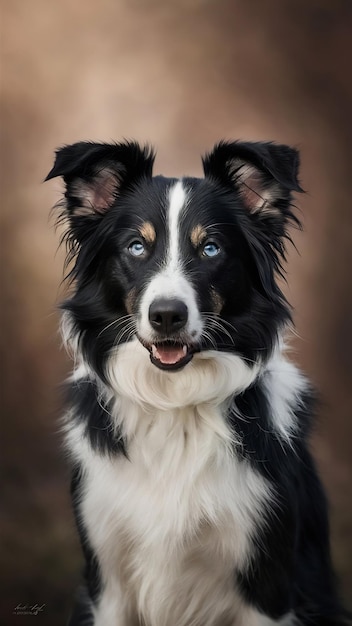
point(120, 320)
point(218, 325)
point(211, 339)
point(129, 331)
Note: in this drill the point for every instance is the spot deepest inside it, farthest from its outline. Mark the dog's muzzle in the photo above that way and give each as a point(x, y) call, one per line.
point(170, 350)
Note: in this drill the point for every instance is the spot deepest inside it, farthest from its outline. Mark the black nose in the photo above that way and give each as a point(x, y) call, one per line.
point(167, 316)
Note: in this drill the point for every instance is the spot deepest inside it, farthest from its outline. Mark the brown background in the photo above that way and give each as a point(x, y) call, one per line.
point(182, 75)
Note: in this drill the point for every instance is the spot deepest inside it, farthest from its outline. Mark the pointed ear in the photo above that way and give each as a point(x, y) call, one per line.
point(96, 173)
point(263, 174)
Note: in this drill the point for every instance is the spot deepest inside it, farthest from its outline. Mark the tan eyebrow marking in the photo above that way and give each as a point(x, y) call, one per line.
point(198, 235)
point(148, 233)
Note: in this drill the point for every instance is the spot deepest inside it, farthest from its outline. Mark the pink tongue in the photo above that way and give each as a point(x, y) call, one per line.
point(168, 354)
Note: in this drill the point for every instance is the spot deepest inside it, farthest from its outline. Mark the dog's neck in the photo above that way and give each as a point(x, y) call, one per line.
point(211, 378)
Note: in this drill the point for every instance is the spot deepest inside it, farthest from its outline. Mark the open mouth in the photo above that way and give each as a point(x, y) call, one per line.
point(169, 355)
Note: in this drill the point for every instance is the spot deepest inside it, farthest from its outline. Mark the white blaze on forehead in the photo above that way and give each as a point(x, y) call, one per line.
point(177, 202)
point(171, 281)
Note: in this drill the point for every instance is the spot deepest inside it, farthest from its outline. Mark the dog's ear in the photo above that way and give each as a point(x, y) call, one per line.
point(264, 175)
point(95, 174)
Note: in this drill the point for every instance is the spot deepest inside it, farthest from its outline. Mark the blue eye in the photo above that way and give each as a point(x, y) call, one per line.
point(211, 249)
point(136, 248)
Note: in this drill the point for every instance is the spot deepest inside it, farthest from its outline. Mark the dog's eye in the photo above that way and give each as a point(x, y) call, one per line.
point(136, 248)
point(211, 249)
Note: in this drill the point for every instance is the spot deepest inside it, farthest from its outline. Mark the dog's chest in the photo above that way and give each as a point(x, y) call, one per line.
point(176, 516)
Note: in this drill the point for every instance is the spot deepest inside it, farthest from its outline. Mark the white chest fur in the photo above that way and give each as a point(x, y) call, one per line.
point(171, 523)
point(170, 533)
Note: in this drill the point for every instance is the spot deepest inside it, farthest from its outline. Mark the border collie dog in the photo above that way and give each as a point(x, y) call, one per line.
point(196, 497)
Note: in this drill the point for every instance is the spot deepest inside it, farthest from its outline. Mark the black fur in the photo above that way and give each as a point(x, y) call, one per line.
point(295, 544)
point(83, 397)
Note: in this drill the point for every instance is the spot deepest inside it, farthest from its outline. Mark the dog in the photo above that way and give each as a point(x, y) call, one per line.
point(196, 498)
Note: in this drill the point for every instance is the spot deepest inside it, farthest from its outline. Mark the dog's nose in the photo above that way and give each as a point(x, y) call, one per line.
point(167, 316)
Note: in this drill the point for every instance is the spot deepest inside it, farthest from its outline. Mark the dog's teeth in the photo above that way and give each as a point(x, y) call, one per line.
point(184, 350)
point(154, 350)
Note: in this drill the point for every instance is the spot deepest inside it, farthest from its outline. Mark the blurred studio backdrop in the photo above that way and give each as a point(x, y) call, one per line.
point(182, 75)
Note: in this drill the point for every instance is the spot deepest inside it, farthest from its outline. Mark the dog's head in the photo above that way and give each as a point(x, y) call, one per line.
point(185, 265)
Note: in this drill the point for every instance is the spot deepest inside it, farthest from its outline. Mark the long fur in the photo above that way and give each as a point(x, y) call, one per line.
point(196, 497)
